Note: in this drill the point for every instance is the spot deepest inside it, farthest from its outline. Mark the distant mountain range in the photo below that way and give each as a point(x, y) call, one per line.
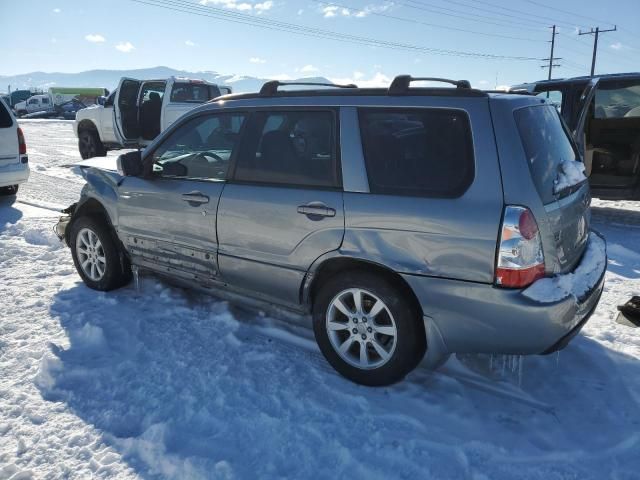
point(110, 79)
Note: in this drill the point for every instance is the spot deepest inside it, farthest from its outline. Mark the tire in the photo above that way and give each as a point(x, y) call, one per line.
point(400, 353)
point(109, 271)
point(11, 190)
point(90, 145)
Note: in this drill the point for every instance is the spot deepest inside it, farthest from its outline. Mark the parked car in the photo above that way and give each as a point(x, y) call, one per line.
point(17, 100)
point(405, 221)
point(14, 163)
point(604, 115)
point(35, 103)
point(134, 114)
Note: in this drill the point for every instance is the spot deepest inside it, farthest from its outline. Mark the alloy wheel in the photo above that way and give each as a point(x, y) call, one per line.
point(361, 328)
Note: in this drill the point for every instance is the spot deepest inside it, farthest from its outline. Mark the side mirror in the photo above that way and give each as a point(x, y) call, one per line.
point(101, 100)
point(130, 164)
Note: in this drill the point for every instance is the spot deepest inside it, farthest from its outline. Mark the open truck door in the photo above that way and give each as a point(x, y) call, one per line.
point(126, 111)
point(579, 133)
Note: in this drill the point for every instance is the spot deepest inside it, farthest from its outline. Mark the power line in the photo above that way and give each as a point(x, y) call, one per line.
point(472, 18)
point(567, 12)
point(419, 22)
point(271, 24)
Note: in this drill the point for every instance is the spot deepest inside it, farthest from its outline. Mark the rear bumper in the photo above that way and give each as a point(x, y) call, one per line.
point(14, 174)
point(481, 318)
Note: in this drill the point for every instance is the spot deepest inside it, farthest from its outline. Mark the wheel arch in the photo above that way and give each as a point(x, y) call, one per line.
point(93, 208)
point(326, 268)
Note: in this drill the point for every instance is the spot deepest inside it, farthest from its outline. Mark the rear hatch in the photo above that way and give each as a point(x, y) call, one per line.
point(9, 148)
point(557, 172)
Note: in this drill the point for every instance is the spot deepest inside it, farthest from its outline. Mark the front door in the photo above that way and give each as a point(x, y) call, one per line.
point(283, 207)
point(167, 219)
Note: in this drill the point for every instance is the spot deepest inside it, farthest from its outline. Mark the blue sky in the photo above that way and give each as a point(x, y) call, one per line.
point(72, 36)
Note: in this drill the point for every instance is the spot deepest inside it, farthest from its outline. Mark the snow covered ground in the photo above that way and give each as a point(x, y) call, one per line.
point(164, 383)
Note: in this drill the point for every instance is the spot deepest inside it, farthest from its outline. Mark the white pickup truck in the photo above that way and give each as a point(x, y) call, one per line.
point(137, 111)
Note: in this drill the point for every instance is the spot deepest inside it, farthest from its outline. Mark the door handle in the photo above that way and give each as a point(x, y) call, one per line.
point(316, 209)
point(195, 198)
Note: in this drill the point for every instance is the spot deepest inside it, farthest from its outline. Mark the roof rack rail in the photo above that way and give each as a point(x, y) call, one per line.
point(271, 88)
point(400, 84)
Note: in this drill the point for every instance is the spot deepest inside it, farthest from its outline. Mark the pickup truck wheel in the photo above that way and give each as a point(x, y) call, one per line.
point(10, 190)
point(90, 145)
point(366, 329)
point(96, 256)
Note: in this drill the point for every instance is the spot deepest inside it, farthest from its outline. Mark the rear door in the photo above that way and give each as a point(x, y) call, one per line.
point(8, 138)
point(126, 112)
point(168, 219)
point(556, 167)
point(283, 207)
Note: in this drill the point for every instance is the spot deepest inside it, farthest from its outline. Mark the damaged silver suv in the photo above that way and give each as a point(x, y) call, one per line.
point(406, 221)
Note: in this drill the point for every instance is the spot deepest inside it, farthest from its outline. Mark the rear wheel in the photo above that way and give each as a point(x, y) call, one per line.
point(96, 256)
point(367, 329)
point(10, 190)
point(90, 145)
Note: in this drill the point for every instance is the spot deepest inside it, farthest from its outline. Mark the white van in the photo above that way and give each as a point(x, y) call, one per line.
point(14, 163)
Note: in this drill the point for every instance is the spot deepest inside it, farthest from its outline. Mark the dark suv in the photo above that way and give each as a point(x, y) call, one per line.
point(404, 220)
point(604, 115)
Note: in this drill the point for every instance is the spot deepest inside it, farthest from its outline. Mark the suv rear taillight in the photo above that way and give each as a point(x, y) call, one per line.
point(22, 146)
point(520, 259)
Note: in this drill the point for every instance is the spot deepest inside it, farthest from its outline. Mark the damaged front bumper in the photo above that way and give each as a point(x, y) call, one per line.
point(60, 228)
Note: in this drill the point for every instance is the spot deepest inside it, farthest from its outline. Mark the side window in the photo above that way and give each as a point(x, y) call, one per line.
point(33, 101)
point(6, 120)
point(45, 100)
point(200, 148)
point(294, 148)
point(554, 97)
point(617, 99)
point(417, 152)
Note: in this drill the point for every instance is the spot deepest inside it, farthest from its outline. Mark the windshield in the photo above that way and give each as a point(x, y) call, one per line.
point(547, 145)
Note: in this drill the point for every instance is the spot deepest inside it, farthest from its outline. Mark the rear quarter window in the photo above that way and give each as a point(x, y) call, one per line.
point(547, 143)
point(193, 92)
point(6, 120)
point(417, 152)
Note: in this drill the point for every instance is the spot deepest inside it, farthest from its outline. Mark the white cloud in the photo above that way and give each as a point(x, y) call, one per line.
point(125, 47)
point(257, 60)
point(358, 75)
point(94, 38)
point(54, 40)
point(378, 80)
point(300, 12)
point(308, 69)
point(331, 11)
point(56, 10)
point(616, 46)
point(189, 43)
point(258, 7)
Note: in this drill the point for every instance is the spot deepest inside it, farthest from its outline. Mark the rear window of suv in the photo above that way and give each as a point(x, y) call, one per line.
point(193, 92)
point(5, 117)
point(417, 152)
point(547, 143)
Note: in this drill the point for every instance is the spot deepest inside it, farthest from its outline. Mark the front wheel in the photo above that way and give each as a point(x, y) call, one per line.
point(367, 329)
point(90, 145)
point(96, 256)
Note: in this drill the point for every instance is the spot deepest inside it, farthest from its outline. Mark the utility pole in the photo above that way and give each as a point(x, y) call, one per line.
point(551, 58)
point(597, 33)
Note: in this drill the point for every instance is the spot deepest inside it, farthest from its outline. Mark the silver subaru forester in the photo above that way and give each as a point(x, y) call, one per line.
point(406, 220)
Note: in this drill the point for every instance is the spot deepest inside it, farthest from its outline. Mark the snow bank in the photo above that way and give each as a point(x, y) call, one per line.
point(571, 173)
point(576, 283)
